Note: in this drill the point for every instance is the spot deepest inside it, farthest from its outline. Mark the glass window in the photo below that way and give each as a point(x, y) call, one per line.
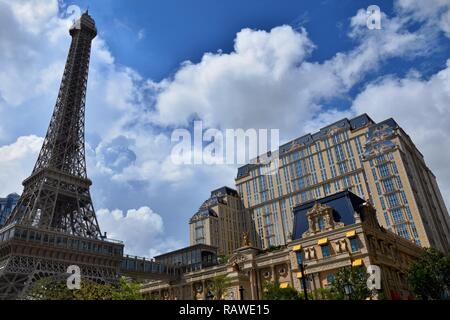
point(384, 170)
point(386, 218)
point(388, 185)
point(24, 234)
point(354, 244)
point(405, 200)
point(321, 222)
point(397, 215)
point(299, 257)
point(330, 279)
point(408, 213)
point(325, 250)
point(393, 200)
point(403, 231)
point(399, 182)
point(383, 204)
point(374, 173)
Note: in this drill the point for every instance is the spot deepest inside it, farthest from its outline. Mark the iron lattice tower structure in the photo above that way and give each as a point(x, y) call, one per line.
point(56, 195)
point(56, 203)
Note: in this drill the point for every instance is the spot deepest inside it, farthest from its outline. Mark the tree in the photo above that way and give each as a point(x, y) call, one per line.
point(218, 286)
point(223, 259)
point(356, 279)
point(272, 291)
point(56, 289)
point(429, 277)
point(49, 289)
point(323, 294)
point(128, 290)
point(93, 291)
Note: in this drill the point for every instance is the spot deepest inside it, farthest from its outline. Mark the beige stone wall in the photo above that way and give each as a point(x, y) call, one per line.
point(376, 246)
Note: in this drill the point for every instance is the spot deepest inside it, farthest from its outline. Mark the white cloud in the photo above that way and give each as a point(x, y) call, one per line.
point(16, 162)
point(31, 43)
point(255, 85)
point(141, 229)
point(268, 81)
point(435, 13)
point(141, 34)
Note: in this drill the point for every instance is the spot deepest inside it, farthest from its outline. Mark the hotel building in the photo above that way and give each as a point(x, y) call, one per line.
point(220, 221)
point(6, 206)
point(376, 161)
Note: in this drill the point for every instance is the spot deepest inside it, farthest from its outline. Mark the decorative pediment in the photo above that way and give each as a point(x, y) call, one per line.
point(369, 214)
point(320, 218)
point(235, 260)
point(336, 129)
point(379, 148)
point(294, 145)
point(380, 134)
point(319, 209)
point(333, 131)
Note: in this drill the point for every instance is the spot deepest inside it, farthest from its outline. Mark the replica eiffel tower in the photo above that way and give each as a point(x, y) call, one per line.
point(54, 225)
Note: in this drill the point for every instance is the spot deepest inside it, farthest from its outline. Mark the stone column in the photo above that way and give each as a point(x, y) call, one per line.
point(272, 271)
point(253, 284)
point(317, 284)
point(204, 290)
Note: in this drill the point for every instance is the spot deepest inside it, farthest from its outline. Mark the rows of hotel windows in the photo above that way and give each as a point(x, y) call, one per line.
point(300, 173)
point(50, 239)
point(302, 183)
point(392, 197)
point(229, 230)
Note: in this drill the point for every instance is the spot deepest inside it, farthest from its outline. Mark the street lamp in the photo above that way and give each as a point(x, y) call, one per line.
point(348, 289)
point(241, 293)
point(305, 290)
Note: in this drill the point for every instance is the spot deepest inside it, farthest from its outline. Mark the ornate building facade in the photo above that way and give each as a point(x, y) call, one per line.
point(337, 231)
point(376, 161)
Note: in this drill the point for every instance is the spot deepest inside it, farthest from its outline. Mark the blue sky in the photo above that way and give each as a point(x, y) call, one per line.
point(156, 65)
point(176, 31)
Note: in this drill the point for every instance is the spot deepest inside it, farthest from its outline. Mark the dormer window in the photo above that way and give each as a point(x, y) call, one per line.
point(321, 223)
point(320, 219)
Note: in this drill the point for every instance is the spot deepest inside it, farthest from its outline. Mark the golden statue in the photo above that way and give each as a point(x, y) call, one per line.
point(246, 242)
